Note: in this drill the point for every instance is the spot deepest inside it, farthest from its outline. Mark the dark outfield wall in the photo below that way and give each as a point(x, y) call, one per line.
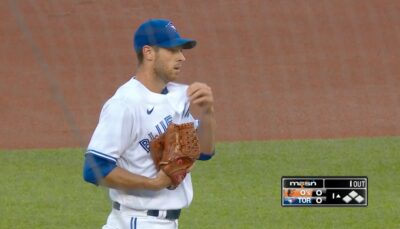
point(279, 69)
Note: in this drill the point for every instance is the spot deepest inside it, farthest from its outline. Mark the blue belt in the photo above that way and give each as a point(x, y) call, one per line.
point(171, 214)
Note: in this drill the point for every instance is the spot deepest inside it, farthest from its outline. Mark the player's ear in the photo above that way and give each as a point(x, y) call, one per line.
point(148, 53)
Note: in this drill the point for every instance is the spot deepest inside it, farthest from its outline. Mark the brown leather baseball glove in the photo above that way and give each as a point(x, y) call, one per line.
point(175, 151)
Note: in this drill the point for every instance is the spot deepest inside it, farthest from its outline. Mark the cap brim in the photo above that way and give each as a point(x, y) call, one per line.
point(183, 42)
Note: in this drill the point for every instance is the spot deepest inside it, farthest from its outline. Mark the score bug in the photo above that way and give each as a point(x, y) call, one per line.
point(324, 191)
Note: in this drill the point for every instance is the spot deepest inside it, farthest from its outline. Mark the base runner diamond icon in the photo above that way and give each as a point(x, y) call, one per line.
point(359, 199)
point(347, 199)
point(353, 194)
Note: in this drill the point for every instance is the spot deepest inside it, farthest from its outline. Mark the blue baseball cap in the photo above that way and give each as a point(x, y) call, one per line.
point(162, 33)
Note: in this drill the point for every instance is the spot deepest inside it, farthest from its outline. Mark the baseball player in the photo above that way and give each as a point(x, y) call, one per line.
point(118, 153)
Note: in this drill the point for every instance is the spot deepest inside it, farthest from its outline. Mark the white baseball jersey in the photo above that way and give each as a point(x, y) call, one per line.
point(128, 122)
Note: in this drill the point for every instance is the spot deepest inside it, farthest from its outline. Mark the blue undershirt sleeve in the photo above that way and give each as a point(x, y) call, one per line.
point(96, 168)
point(206, 157)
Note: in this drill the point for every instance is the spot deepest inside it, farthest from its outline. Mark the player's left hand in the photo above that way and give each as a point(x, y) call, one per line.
point(201, 98)
point(162, 180)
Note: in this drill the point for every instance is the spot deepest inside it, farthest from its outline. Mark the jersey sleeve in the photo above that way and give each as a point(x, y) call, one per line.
point(113, 133)
point(96, 168)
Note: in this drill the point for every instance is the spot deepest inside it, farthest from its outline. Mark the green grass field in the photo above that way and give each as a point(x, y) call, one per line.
point(238, 188)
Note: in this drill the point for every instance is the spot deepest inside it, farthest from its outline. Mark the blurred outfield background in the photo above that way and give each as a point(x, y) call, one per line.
point(280, 70)
point(239, 188)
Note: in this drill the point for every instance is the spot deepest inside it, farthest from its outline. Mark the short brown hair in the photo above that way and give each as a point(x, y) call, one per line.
point(140, 57)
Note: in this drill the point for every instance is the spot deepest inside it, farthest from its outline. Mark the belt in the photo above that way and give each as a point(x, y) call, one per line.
point(164, 214)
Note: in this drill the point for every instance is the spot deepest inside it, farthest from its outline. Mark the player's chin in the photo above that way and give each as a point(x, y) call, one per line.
point(174, 75)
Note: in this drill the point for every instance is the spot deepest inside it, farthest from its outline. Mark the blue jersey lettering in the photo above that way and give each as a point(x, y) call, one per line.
point(145, 143)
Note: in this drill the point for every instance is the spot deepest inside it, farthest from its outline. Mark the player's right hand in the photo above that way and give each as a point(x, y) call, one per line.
point(201, 98)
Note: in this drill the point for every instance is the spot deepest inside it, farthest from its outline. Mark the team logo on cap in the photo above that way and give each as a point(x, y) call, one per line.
point(171, 26)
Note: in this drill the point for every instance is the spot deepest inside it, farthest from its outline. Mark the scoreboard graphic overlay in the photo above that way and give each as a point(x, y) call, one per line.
point(349, 191)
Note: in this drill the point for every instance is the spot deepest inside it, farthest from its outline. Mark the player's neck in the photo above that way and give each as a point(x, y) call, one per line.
point(150, 81)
